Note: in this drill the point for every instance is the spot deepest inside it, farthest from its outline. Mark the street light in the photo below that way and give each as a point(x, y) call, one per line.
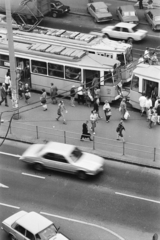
point(12, 60)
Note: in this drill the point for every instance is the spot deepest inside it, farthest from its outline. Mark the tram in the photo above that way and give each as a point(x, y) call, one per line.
point(47, 63)
point(145, 78)
point(93, 43)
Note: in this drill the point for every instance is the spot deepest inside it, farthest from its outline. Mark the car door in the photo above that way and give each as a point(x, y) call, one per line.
point(148, 15)
point(20, 232)
point(58, 162)
point(92, 10)
point(115, 33)
point(125, 33)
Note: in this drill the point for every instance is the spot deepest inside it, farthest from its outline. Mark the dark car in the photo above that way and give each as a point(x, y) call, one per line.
point(153, 17)
point(58, 9)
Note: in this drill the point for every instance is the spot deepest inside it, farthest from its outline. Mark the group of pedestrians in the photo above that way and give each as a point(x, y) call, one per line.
point(149, 4)
point(148, 57)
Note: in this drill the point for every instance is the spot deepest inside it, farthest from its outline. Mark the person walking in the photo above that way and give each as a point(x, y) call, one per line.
point(96, 107)
point(146, 56)
point(20, 90)
point(107, 111)
point(158, 113)
point(7, 80)
point(80, 94)
point(142, 103)
point(140, 4)
point(4, 95)
point(61, 111)
point(85, 132)
point(27, 93)
point(72, 95)
point(148, 106)
point(120, 130)
point(53, 93)
point(93, 119)
point(43, 99)
point(123, 108)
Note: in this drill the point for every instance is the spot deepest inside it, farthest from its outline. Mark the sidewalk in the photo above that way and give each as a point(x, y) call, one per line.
point(139, 138)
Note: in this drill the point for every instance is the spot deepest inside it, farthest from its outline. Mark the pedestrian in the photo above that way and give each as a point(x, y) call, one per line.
point(10, 89)
point(27, 93)
point(140, 4)
point(43, 99)
point(4, 95)
point(151, 116)
point(150, 4)
point(20, 89)
point(7, 80)
point(88, 97)
point(141, 59)
point(72, 95)
point(95, 83)
point(120, 130)
point(107, 111)
point(142, 103)
point(80, 94)
point(123, 108)
point(61, 111)
point(148, 106)
point(85, 132)
point(147, 56)
point(96, 107)
point(158, 112)
point(130, 42)
point(156, 102)
point(154, 59)
point(53, 93)
point(93, 119)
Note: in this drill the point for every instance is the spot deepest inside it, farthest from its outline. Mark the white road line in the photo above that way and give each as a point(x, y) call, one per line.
point(11, 206)
point(3, 186)
point(132, 196)
point(10, 154)
point(31, 175)
point(82, 222)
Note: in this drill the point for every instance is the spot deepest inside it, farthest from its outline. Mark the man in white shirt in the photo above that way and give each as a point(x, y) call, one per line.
point(142, 103)
point(80, 94)
point(147, 55)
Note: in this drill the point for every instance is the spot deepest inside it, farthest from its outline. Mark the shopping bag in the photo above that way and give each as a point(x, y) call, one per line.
point(126, 115)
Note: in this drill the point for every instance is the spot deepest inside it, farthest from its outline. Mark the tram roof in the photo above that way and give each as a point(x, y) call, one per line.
point(145, 70)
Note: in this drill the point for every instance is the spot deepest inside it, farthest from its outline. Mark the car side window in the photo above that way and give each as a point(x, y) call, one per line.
point(92, 7)
point(151, 15)
point(117, 29)
point(120, 10)
point(125, 30)
point(20, 229)
point(59, 158)
point(30, 235)
point(49, 156)
point(53, 5)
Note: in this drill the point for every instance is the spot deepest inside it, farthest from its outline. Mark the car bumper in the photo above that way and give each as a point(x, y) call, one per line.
point(93, 173)
point(104, 20)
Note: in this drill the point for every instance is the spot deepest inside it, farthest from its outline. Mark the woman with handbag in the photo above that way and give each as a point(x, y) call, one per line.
point(107, 111)
point(43, 99)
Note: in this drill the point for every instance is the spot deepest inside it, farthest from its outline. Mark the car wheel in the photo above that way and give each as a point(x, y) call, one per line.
point(38, 166)
point(106, 35)
point(54, 14)
point(11, 237)
point(82, 175)
point(130, 39)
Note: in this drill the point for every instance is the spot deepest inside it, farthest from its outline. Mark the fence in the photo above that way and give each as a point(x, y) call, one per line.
point(109, 147)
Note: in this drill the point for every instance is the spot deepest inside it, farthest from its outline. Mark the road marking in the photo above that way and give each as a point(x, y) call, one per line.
point(3, 186)
point(153, 36)
point(11, 206)
point(82, 222)
point(31, 175)
point(141, 198)
point(10, 154)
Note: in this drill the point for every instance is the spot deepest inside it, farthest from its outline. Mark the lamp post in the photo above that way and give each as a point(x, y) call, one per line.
point(12, 61)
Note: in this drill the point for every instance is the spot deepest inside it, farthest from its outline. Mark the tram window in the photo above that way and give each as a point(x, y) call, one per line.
point(108, 79)
point(56, 70)
point(135, 83)
point(39, 67)
point(120, 57)
point(72, 73)
point(4, 60)
point(91, 52)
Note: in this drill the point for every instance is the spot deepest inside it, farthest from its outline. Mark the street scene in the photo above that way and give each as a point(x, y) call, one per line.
point(79, 120)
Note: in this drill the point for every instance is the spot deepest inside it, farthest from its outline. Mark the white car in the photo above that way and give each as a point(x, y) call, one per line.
point(30, 226)
point(63, 157)
point(125, 31)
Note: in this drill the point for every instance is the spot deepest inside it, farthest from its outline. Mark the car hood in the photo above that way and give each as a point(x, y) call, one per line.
point(90, 161)
point(32, 151)
point(103, 14)
point(130, 19)
point(59, 236)
point(63, 7)
point(9, 221)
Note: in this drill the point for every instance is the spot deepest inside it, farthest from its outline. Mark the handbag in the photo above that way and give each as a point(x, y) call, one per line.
point(120, 108)
point(126, 115)
point(43, 100)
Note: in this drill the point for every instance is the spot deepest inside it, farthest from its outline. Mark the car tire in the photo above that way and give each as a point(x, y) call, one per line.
point(11, 237)
point(130, 39)
point(54, 15)
point(82, 175)
point(38, 166)
point(106, 35)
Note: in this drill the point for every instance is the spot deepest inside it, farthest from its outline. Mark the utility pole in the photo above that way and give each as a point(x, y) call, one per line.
point(12, 60)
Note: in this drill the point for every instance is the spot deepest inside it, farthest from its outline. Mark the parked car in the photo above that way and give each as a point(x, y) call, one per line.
point(99, 11)
point(127, 14)
point(125, 31)
point(153, 17)
point(58, 9)
point(30, 226)
point(63, 157)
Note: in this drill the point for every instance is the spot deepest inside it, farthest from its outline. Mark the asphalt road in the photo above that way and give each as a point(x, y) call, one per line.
point(124, 199)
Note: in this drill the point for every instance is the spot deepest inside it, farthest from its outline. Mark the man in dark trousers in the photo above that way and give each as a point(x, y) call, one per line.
point(140, 4)
point(85, 133)
point(4, 95)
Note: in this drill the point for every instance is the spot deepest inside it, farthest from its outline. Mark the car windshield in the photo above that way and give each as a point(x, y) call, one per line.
point(132, 13)
point(102, 10)
point(58, 4)
point(76, 154)
point(47, 233)
point(157, 18)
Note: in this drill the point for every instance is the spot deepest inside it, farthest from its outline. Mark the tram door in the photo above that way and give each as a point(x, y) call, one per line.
point(88, 76)
point(148, 86)
point(23, 70)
